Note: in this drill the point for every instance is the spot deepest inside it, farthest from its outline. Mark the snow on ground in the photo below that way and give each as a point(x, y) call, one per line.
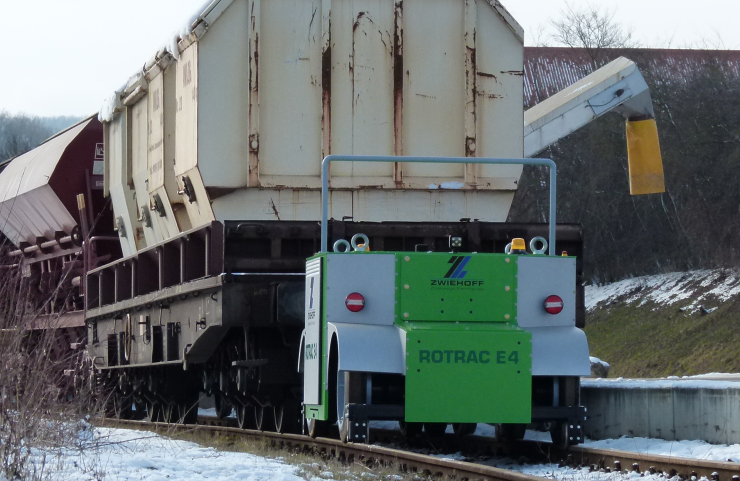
point(670, 382)
point(679, 449)
point(664, 289)
point(682, 449)
point(552, 471)
point(212, 412)
point(123, 454)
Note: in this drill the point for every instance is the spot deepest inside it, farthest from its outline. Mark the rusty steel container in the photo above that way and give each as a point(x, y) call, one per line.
point(233, 121)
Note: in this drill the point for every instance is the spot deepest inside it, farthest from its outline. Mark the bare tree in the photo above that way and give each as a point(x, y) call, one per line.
point(592, 29)
point(20, 133)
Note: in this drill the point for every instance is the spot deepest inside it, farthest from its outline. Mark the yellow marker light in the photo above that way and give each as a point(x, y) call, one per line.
point(518, 244)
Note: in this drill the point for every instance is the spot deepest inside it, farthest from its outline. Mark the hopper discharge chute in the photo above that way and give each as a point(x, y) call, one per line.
point(616, 87)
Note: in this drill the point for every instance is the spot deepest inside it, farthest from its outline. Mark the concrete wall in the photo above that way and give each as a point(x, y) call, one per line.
point(671, 410)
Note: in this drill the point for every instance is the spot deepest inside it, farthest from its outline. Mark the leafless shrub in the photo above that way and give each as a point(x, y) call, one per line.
point(44, 389)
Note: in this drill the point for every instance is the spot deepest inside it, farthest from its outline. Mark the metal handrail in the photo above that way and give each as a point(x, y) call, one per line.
point(433, 160)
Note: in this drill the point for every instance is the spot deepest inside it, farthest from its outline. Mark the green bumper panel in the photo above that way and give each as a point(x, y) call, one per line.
point(468, 373)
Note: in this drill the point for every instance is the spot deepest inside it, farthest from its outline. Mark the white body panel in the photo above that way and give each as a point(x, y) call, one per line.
point(121, 186)
point(140, 171)
point(267, 89)
point(369, 348)
point(542, 276)
point(373, 276)
point(313, 351)
point(548, 346)
point(369, 205)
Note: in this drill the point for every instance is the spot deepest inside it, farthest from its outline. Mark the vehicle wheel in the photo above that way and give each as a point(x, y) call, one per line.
point(410, 430)
point(153, 411)
point(342, 383)
point(511, 432)
point(316, 428)
point(223, 407)
point(464, 429)
point(287, 417)
point(350, 389)
point(245, 416)
point(263, 418)
point(559, 434)
point(435, 430)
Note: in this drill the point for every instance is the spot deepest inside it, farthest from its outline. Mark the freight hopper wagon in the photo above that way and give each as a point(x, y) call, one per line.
point(213, 166)
point(56, 224)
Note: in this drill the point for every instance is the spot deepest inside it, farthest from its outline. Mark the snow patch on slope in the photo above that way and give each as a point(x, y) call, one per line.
point(666, 289)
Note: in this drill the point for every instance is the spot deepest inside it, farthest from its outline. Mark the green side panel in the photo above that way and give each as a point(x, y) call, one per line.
point(321, 411)
point(468, 376)
point(456, 287)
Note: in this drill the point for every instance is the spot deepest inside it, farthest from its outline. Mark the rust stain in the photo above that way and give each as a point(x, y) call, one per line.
point(514, 72)
point(486, 74)
point(256, 61)
point(274, 209)
point(426, 96)
point(398, 91)
point(326, 97)
point(357, 22)
point(490, 96)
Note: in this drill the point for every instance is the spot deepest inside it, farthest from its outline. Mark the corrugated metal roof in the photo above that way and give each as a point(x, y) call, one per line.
point(548, 70)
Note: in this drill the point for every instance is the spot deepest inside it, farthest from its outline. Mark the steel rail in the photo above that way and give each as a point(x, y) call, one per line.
point(405, 461)
point(595, 459)
point(647, 463)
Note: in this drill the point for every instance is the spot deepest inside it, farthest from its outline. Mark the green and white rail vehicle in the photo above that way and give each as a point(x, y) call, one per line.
point(432, 338)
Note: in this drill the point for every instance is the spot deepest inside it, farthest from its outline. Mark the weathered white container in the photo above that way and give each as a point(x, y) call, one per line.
point(261, 91)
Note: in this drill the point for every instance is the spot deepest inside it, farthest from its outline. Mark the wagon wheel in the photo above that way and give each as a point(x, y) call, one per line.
point(245, 416)
point(223, 407)
point(169, 412)
point(263, 418)
point(287, 417)
point(153, 411)
point(559, 434)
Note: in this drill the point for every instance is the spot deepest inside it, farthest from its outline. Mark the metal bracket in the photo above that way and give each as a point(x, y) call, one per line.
point(249, 363)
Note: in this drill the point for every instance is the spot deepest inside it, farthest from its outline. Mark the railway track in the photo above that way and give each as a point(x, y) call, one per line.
point(480, 447)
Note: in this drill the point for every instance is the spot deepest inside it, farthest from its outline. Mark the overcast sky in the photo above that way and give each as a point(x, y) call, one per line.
point(63, 57)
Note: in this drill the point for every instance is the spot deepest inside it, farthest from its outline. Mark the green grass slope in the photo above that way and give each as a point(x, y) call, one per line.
point(643, 334)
